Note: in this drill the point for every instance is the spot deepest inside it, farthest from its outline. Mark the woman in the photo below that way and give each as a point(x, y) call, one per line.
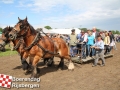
point(112, 40)
point(90, 43)
point(106, 43)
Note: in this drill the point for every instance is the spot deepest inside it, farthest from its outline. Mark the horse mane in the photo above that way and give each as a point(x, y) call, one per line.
point(6, 29)
point(33, 31)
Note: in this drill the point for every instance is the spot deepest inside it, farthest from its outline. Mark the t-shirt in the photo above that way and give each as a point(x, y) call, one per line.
point(99, 44)
point(90, 40)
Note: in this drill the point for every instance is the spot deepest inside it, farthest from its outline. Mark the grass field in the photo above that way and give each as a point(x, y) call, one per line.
point(8, 52)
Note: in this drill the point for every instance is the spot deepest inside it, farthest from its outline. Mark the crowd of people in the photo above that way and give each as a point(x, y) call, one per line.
point(90, 44)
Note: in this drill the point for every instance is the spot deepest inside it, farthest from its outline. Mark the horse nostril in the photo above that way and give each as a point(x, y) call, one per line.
point(10, 35)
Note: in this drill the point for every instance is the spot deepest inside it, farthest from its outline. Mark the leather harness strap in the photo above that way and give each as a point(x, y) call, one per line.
point(35, 42)
point(18, 44)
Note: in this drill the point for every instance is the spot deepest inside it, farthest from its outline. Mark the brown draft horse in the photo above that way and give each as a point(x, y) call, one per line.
point(18, 46)
point(39, 47)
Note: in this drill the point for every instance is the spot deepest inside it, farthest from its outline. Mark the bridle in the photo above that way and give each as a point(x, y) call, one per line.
point(34, 42)
point(17, 33)
point(18, 44)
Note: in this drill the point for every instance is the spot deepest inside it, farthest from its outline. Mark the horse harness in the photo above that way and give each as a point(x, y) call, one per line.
point(18, 44)
point(35, 42)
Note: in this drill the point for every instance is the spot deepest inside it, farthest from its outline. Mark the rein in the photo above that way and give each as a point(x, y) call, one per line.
point(18, 44)
point(49, 38)
point(34, 42)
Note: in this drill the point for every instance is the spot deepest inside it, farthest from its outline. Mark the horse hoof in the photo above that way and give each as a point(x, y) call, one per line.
point(27, 72)
point(71, 66)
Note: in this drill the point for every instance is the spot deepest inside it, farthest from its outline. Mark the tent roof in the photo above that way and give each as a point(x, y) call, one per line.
point(46, 30)
point(65, 31)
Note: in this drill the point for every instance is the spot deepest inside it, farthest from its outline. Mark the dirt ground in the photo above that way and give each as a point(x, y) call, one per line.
point(84, 77)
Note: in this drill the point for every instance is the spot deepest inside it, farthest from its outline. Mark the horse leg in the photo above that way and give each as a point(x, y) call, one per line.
point(61, 64)
point(29, 69)
point(35, 69)
point(50, 61)
point(25, 64)
point(71, 65)
point(45, 60)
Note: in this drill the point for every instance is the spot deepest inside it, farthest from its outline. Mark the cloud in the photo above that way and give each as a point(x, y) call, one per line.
point(78, 12)
point(6, 14)
point(90, 13)
point(11, 14)
point(80, 7)
point(24, 3)
point(7, 1)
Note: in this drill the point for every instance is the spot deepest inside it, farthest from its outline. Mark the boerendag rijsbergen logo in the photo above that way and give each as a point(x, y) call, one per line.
point(13, 82)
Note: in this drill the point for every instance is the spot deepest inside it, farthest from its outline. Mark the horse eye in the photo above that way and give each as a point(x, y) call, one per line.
point(21, 26)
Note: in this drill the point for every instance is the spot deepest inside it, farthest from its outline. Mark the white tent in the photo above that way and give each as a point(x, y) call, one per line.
point(65, 31)
point(47, 31)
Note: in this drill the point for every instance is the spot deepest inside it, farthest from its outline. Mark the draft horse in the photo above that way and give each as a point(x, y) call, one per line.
point(38, 46)
point(18, 46)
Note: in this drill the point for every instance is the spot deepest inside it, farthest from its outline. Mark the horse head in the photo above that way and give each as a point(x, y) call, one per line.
point(20, 29)
point(5, 36)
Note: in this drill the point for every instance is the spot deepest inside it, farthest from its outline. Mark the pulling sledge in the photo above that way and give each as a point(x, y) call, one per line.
point(80, 60)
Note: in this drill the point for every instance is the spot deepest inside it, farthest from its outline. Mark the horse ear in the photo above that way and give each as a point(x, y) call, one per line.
point(19, 19)
point(26, 18)
point(9, 28)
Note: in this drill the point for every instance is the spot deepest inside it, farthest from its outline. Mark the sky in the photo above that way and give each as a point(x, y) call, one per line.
point(102, 14)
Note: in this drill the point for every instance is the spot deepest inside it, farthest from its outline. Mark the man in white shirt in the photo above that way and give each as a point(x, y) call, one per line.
point(95, 33)
point(99, 47)
point(83, 39)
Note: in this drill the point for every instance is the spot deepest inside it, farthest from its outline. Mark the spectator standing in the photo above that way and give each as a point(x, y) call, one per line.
point(106, 43)
point(72, 42)
point(90, 42)
point(112, 40)
point(99, 47)
point(83, 39)
point(95, 33)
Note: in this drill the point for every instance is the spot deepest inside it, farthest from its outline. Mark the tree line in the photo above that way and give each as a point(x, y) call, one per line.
point(113, 31)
